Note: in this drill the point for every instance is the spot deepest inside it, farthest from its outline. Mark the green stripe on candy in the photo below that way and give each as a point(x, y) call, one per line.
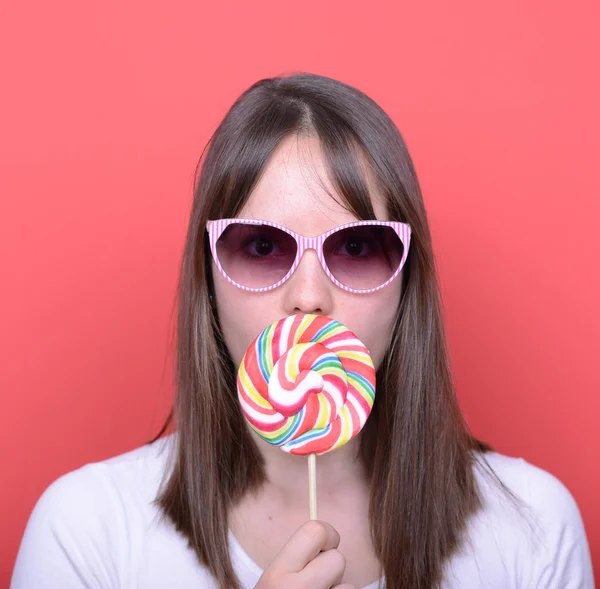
point(277, 440)
point(362, 385)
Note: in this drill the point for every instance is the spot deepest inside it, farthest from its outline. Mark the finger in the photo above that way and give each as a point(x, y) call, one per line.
point(325, 570)
point(305, 543)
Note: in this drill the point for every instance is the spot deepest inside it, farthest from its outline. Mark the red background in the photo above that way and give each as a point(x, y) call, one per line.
point(105, 108)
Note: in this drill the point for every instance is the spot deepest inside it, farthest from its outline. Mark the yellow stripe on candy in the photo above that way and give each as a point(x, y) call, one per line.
point(324, 412)
point(333, 371)
point(269, 356)
point(304, 325)
point(250, 389)
point(355, 355)
point(346, 431)
point(292, 363)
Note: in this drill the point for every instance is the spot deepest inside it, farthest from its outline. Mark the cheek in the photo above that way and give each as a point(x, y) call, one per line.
point(239, 324)
point(242, 316)
point(229, 312)
point(374, 320)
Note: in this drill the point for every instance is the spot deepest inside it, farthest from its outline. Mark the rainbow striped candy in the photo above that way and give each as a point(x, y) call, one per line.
point(307, 384)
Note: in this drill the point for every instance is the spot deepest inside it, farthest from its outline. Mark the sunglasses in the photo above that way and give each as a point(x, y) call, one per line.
point(258, 256)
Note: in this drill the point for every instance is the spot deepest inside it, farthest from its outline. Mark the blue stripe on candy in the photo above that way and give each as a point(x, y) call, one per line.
point(294, 427)
point(323, 360)
point(319, 335)
point(308, 436)
point(367, 384)
point(262, 361)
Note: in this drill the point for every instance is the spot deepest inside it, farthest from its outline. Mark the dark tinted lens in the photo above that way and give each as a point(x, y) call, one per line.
point(363, 257)
point(255, 256)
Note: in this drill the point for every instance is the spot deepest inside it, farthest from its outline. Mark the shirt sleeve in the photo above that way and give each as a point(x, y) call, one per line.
point(564, 559)
point(69, 537)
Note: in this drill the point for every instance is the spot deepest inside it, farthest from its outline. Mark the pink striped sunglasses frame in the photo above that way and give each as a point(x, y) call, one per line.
point(215, 230)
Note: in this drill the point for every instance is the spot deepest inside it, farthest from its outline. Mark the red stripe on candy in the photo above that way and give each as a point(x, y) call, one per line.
point(293, 330)
point(313, 328)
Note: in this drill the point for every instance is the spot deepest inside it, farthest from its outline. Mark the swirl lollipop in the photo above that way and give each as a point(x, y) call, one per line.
point(306, 384)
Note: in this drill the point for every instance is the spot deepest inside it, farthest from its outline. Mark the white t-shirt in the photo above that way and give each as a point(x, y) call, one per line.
point(95, 527)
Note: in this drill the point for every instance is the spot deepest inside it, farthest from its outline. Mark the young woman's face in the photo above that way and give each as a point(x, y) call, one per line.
point(289, 193)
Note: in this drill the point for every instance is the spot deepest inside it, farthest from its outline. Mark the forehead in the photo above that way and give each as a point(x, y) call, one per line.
point(293, 190)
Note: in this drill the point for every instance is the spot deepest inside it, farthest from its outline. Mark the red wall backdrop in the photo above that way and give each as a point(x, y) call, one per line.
point(105, 108)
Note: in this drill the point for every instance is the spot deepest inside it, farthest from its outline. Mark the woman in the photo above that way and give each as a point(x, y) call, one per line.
point(414, 501)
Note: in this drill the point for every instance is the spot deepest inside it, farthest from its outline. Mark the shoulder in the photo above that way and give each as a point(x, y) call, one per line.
point(130, 478)
point(542, 493)
point(539, 488)
point(543, 521)
point(85, 520)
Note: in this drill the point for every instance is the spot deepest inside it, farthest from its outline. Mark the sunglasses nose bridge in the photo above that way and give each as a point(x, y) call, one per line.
point(305, 243)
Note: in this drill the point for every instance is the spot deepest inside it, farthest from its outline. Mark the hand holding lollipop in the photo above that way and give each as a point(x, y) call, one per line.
point(306, 384)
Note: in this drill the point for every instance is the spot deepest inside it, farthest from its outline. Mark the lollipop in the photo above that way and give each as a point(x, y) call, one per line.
point(306, 384)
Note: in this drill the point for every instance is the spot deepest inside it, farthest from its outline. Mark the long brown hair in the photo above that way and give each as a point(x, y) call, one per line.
point(416, 444)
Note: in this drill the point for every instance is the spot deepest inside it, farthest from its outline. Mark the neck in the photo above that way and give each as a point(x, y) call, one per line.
point(287, 475)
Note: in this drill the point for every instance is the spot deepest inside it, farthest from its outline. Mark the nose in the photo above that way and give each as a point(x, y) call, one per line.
point(309, 289)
